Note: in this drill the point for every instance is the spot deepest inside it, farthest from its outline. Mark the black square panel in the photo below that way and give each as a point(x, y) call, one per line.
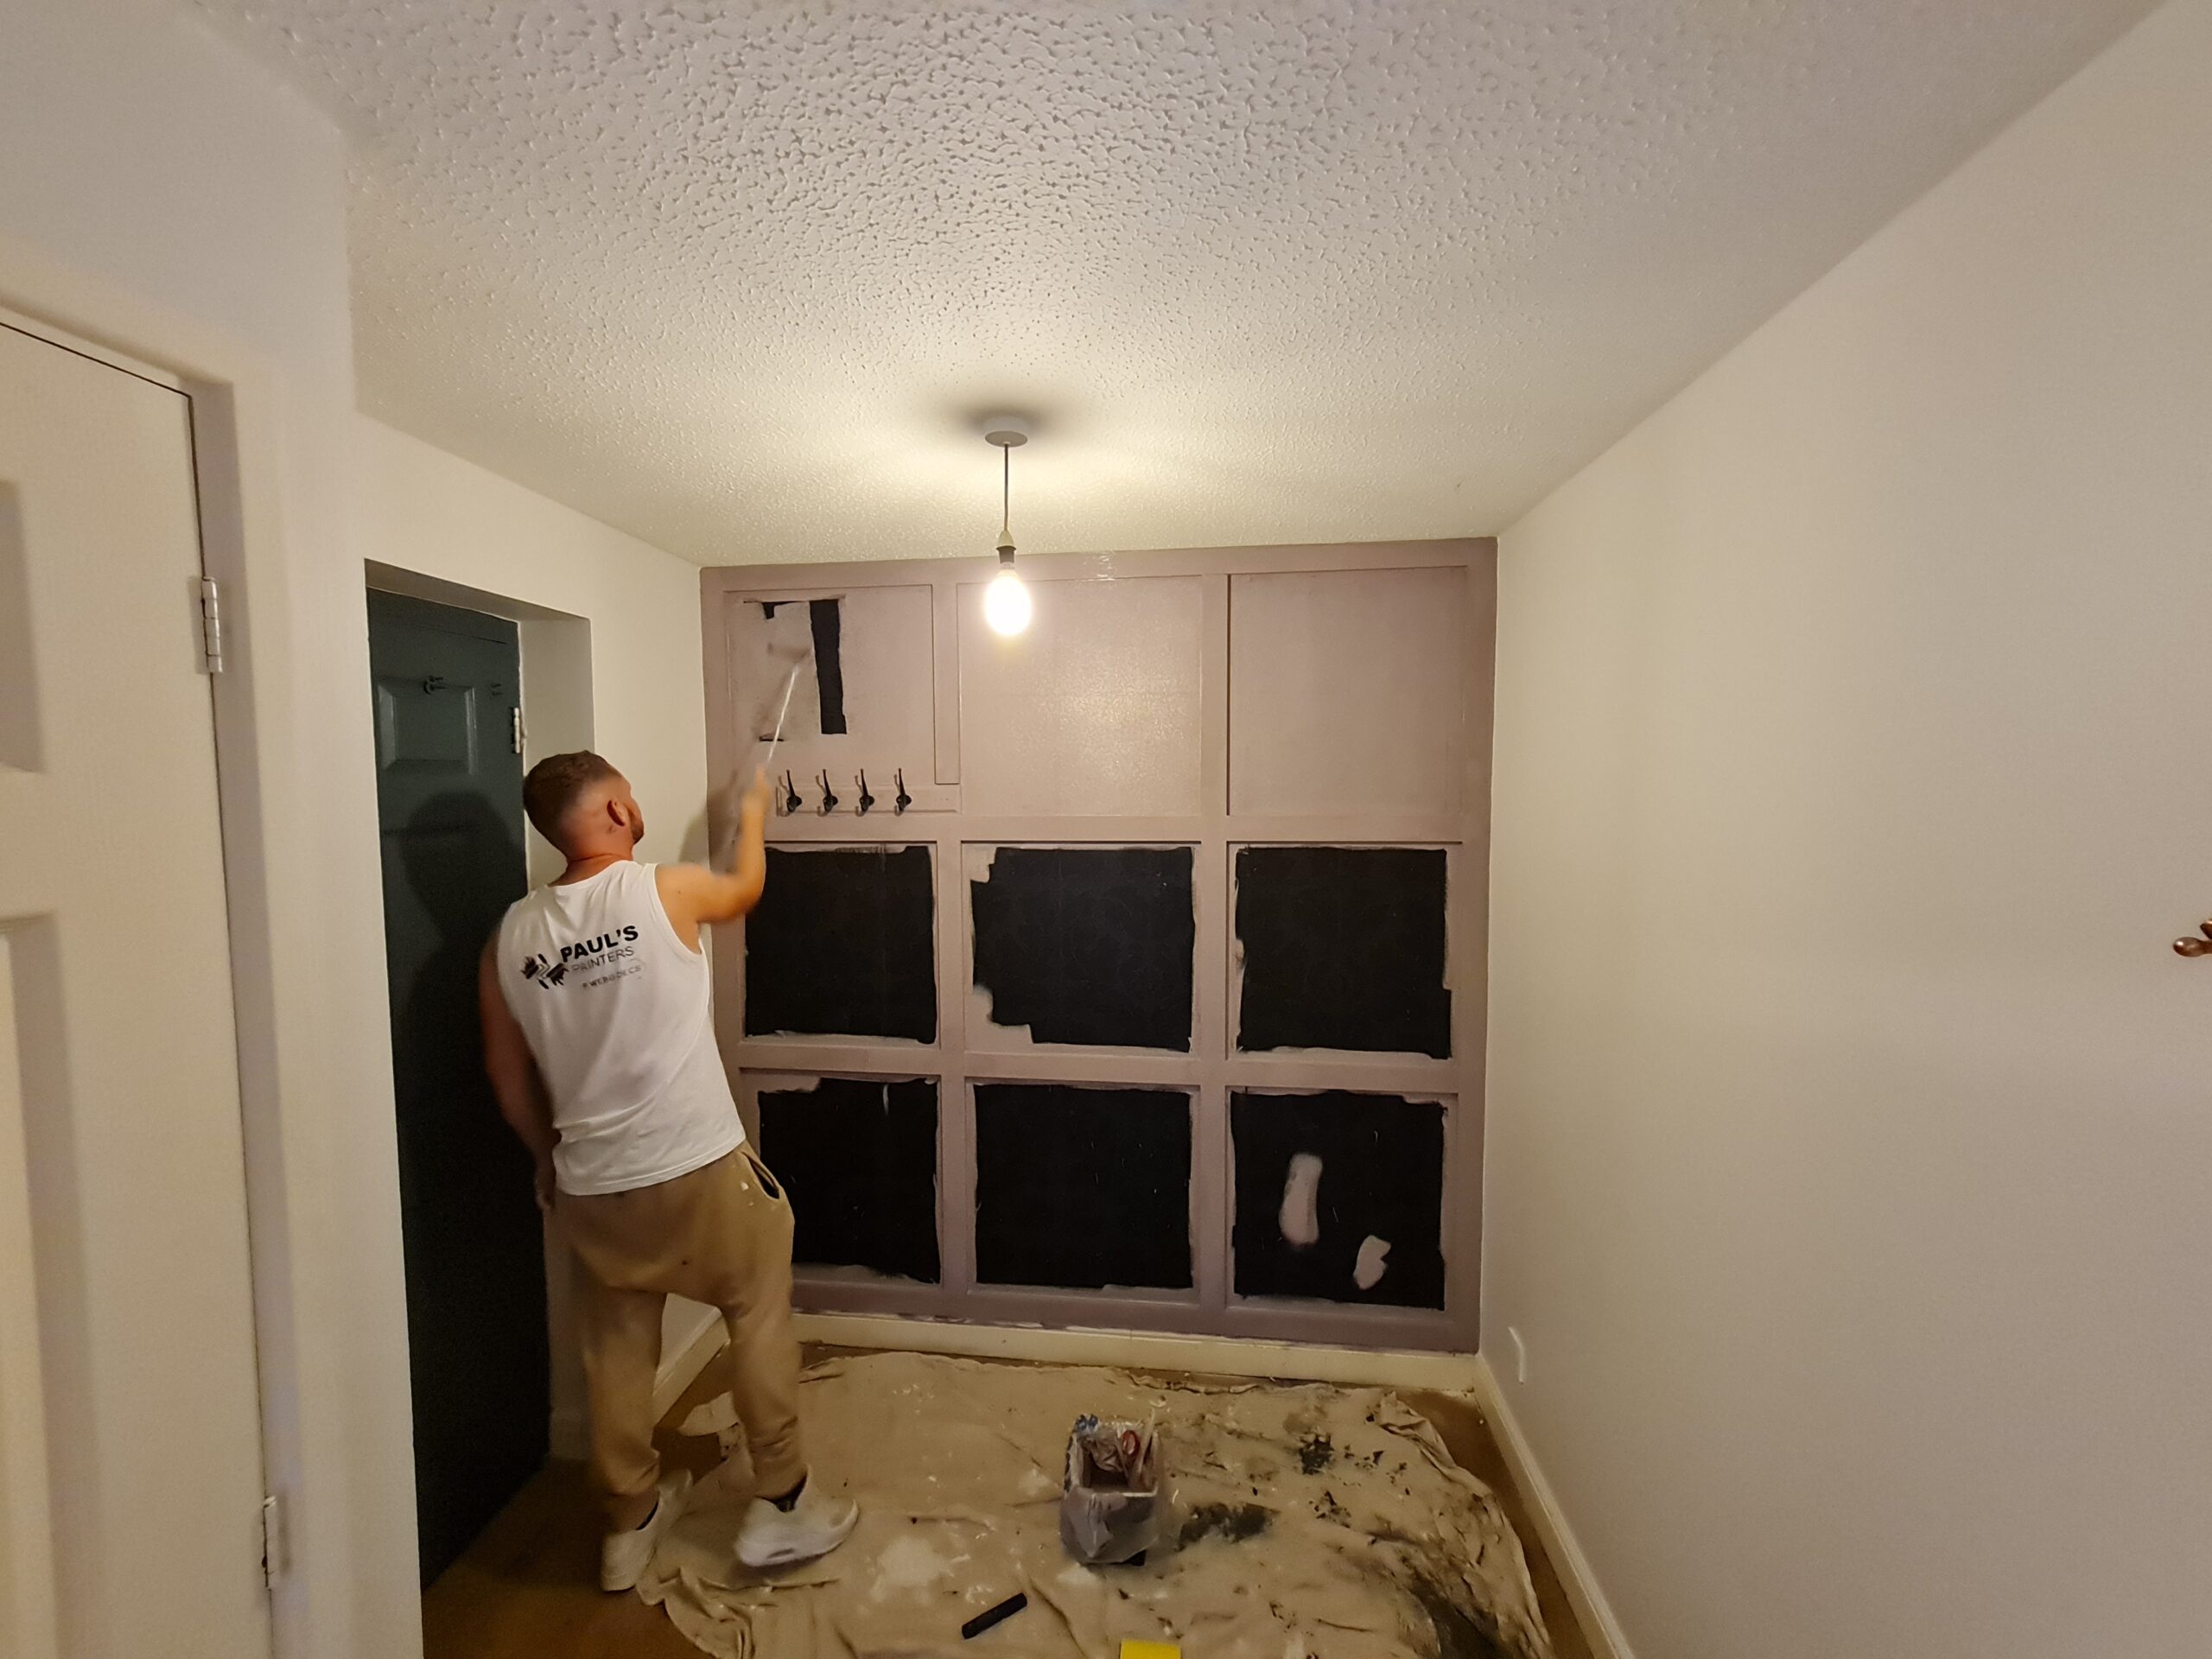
point(1083, 1188)
point(843, 944)
point(1088, 945)
point(1377, 1172)
point(1343, 947)
point(858, 1160)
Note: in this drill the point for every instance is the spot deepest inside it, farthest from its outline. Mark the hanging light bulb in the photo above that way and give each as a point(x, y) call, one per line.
point(1005, 601)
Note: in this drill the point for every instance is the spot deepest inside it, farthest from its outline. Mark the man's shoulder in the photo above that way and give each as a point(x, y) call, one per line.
point(679, 885)
point(535, 899)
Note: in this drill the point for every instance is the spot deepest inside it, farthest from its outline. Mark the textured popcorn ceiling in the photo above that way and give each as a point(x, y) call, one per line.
point(736, 278)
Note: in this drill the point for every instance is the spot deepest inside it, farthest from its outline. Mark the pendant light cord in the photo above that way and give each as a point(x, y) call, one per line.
point(1006, 495)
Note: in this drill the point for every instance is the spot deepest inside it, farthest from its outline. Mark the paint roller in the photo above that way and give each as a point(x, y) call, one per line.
point(783, 708)
point(798, 655)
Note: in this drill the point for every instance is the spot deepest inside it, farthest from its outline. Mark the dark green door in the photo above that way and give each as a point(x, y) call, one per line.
point(447, 686)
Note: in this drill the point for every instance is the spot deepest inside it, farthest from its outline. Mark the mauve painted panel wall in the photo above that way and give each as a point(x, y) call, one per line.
point(1109, 726)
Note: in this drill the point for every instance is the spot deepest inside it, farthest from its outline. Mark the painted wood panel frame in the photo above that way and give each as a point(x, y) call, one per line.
point(961, 1058)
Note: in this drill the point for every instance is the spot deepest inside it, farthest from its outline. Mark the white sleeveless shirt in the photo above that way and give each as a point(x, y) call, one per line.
point(618, 1012)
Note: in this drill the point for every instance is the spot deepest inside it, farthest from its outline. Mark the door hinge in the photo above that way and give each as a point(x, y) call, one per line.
point(517, 730)
point(273, 1542)
point(211, 624)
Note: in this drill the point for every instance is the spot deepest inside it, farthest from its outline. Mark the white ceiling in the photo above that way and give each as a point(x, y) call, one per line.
point(737, 277)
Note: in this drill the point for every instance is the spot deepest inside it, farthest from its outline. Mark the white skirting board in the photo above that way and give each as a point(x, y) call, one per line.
point(1209, 1356)
point(681, 1362)
point(682, 1359)
point(1599, 1624)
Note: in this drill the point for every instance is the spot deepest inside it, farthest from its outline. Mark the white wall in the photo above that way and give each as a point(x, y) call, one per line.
point(427, 511)
point(158, 191)
point(1849, 1121)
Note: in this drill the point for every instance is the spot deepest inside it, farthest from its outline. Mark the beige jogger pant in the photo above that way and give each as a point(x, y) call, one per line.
point(721, 1235)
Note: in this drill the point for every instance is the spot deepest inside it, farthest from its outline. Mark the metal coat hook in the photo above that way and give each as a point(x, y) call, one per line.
point(2186, 946)
point(828, 795)
point(902, 800)
point(867, 799)
point(791, 794)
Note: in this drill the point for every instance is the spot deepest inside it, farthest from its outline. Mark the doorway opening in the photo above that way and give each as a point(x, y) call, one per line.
point(468, 689)
point(446, 685)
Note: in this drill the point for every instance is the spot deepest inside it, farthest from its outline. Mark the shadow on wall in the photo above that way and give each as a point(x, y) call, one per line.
point(693, 850)
point(698, 846)
point(474, 1243)
point(464, 868)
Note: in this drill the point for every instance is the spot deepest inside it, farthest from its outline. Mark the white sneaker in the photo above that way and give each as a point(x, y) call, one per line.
point(623, 1556)
point(814, 1526)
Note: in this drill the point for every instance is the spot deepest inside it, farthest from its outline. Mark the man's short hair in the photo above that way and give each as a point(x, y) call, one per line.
point(556, 784)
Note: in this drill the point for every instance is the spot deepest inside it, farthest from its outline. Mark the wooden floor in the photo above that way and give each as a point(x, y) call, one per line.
point(529, 1587)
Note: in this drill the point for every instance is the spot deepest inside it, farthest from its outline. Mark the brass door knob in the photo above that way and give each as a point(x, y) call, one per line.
point(2189, 946)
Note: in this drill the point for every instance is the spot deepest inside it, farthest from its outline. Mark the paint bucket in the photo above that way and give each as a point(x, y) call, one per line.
point(1110, 1497)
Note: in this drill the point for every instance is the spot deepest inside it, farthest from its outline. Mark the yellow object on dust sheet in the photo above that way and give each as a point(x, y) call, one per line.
point(1150, 1651)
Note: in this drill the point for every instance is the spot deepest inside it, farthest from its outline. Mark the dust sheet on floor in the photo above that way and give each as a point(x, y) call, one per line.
point(1304, 1522)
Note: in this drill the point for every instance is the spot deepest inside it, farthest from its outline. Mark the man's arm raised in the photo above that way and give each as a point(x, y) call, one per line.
point(693, 894)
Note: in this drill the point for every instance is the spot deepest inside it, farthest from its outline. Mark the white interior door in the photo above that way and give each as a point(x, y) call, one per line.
point(130, 1472)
